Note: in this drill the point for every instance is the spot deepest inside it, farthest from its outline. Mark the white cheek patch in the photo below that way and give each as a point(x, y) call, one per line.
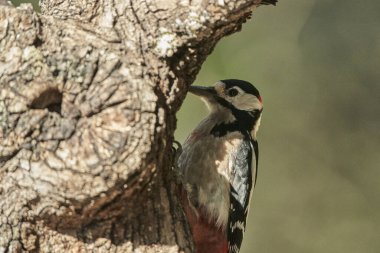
point(247, 102)
point(255, 129)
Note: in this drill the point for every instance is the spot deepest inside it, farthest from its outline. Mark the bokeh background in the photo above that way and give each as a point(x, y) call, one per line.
point(317, 65)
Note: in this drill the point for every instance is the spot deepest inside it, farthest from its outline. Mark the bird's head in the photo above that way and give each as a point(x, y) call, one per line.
point(235, 100)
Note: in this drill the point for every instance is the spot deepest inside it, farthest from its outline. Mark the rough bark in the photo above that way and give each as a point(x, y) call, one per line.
point(89, 92)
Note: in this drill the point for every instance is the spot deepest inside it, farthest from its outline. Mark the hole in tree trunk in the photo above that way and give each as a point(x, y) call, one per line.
point(51, 98)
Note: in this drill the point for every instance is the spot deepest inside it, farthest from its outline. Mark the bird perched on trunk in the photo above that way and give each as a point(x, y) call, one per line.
point(218, 165)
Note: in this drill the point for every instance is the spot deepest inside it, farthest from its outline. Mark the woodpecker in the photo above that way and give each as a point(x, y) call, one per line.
point(218, 165)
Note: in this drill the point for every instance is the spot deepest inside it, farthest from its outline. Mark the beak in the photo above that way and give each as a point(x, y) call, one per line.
point(202, 91)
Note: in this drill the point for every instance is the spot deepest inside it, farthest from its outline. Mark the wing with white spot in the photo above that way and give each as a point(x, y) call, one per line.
point(243, 179)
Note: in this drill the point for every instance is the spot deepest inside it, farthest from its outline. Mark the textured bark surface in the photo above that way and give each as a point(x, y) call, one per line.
point(88, 96)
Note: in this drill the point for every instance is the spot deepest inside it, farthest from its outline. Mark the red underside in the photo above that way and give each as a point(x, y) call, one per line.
point(207, 238)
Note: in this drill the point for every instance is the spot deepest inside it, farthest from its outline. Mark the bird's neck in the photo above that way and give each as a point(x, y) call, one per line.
point(246, 123)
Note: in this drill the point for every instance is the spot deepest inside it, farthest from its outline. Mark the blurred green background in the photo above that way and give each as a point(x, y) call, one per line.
point(317, 65)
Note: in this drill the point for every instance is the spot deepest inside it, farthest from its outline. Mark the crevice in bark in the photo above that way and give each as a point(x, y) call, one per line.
point(50, 98)
point(38, 42)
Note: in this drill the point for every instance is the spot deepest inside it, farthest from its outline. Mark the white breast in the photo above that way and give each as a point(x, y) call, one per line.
point(205, 164)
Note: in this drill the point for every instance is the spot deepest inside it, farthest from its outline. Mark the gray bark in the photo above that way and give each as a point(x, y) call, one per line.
point(88, 96)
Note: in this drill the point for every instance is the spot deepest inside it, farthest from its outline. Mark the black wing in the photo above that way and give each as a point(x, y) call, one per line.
point(243, 181)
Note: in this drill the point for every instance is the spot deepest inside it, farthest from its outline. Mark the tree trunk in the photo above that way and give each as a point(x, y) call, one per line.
point(89, 92)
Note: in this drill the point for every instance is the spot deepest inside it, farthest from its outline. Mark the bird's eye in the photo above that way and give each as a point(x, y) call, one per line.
point(232, 92)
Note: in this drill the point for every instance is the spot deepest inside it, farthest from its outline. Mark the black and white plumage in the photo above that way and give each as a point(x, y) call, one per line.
point(218, 163)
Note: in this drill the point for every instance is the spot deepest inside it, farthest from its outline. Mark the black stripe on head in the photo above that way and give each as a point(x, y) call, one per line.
point(244, 120)
point(244, 85)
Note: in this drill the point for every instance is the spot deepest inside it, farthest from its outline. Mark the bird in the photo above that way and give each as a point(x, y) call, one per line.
point(218, 163)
